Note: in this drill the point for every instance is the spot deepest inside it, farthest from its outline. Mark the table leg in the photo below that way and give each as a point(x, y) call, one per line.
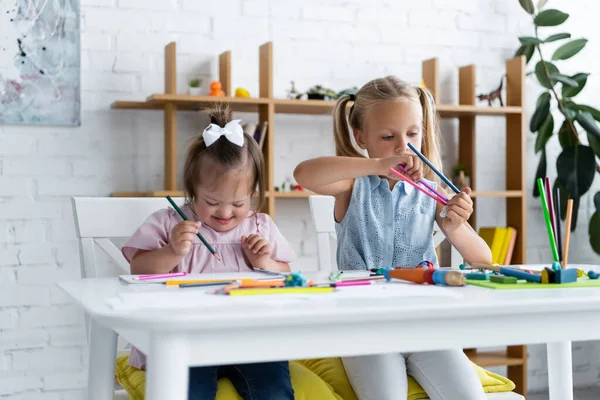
point(167, 367)
point(101, 371)
point(560, 371)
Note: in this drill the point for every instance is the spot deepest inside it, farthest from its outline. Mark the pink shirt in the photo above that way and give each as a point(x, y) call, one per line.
point(156, 232)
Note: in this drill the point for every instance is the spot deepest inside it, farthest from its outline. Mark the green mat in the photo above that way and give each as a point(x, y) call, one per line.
point(522, 284)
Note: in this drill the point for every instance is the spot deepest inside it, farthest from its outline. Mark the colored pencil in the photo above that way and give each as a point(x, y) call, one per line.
point(408, 180)
point(189, 285)
point(230, 280)
point(550, 201)
point(283, 290)
point(159, 276)
point(547, 218)
point(428, 186)
point(208, 246)
point(434, 169)
point(567, 232)
point(557, 224)
point(351, 283)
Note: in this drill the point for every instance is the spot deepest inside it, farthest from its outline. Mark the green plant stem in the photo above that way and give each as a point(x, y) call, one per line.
point(558, 100)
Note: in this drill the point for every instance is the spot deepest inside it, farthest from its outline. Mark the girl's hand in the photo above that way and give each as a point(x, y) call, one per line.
point(182, 237)
point(411, 163)
point(258, 250)
point(459, 209)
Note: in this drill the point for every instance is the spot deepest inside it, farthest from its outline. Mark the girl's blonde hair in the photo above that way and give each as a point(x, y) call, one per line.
point(385, 90)
point(222, 157)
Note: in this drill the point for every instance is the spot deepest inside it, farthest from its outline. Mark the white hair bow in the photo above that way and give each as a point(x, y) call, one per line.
point(232, 131)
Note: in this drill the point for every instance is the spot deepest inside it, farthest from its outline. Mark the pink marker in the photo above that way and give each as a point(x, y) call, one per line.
point(352, 283)
point(160, 276)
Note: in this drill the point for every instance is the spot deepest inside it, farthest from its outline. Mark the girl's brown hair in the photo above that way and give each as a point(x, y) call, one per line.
point(384, 90)
point(222, 157)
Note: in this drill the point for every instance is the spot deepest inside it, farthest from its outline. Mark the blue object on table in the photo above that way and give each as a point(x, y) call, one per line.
point(592, 275)
point(433, 168)
point(521, 274)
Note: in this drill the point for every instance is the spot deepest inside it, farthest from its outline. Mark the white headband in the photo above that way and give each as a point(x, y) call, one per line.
point(232, 131)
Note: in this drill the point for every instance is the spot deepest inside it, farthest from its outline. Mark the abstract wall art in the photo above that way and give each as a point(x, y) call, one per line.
point(40, 62)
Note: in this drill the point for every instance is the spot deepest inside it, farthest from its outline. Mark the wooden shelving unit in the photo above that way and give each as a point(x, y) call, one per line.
point(515, 357)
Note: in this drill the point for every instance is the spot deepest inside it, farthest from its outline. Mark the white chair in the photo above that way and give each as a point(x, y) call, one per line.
point(321, 209)
point(97, 221)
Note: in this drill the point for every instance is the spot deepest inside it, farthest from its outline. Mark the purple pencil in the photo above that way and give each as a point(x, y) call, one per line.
point(441, 196)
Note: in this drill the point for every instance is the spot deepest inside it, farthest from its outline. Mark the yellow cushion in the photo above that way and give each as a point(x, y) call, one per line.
point(320, 378)
point(307, 385)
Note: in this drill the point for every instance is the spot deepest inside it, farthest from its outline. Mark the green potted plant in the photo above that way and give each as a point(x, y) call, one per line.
point(577, 164)
point(318, 92)
point(194, 87)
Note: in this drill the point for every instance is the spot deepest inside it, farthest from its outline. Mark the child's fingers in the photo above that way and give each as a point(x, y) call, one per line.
point(262, 247)
point(459, 212)
point(259, 245)
point(252, 240)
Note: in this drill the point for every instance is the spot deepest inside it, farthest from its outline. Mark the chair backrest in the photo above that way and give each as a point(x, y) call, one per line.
point(321, 208)
point(100, 219)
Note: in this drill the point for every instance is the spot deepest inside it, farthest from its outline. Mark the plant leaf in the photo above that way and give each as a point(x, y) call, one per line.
point(576, 168)
point(526, 50)
point(581, 79)
point(594, 144)
point(529, 40)
point(557, 36)
point(527, 6)
point(540, 172)
point(568, 50)
point(597, 202)
point(564, 197)
point(550, 18)
point(542, 109)
point(540, 73)
point(587, 122)
point(566, 137)
point(570, 113)
point(594, 232)
point(594, 112)
point(544, 134)
point(565, 80)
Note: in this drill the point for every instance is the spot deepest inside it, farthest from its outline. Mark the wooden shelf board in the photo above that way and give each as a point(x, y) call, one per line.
point(135, 105)
point(185, 101)
point(495, 359)
point(290, 195)
point(450, 111)
point(284, 106)
point(155, 193)
point(506, 193)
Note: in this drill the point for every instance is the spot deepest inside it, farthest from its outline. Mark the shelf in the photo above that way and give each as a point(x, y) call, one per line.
point(451, 111)
point(156, 193)
point(507, 193)
point(283, 106)
point(495, 359)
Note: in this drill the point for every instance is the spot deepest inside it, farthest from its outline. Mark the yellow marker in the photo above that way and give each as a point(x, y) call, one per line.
point(284, 290)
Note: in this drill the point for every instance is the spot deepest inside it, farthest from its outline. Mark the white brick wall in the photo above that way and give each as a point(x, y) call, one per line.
point(336, 43)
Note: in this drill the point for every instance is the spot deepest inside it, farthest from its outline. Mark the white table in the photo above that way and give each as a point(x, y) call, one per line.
point(176, 339)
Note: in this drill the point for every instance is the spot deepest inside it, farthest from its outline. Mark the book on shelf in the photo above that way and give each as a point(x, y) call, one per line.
point(501, 241)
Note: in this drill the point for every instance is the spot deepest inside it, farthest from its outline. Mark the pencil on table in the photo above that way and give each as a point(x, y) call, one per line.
point(557, 224)
point(567, 232)
point(547, 218)
point(550, 203)
point(208, 246)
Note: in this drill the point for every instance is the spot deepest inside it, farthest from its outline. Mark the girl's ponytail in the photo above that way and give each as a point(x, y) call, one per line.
point(431, 137)
point(341, 132)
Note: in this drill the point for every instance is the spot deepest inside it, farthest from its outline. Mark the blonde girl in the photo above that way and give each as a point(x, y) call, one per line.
point(383, 222)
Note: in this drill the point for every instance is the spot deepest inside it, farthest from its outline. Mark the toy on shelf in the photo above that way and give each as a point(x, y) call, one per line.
point(241, 92)
point(494, 94)
point(289, 186)
point(292, 93)
point(216, 89)
point(351, 90)
point(422, 275)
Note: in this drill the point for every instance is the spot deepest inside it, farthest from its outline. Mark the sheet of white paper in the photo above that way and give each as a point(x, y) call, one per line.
point(229, 275)
point(203, 298)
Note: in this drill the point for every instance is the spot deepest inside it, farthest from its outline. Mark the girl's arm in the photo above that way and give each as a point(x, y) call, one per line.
point(458, 231)
point(159, 261)
point(334, 176)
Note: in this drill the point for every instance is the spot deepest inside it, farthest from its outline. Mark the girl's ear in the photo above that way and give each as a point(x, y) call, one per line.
point(359, 138)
